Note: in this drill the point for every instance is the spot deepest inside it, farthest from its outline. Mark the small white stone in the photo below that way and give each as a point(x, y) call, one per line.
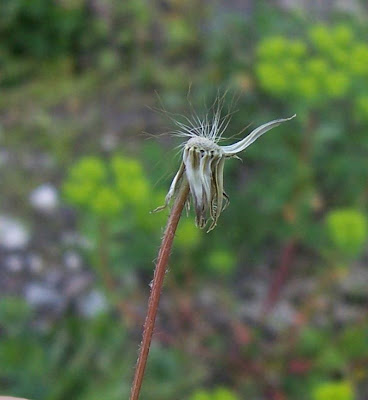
point(353, 6)
point(109, 142)
point(45, 198)
point(35, 263)
point(72, 260)
point(356, 281)
point(4, 157)
point(54, 276)
point(14, 263)
point(74, 239)
point(92, 304)
point(13, 235)
point(282, 316)
point(38, 295)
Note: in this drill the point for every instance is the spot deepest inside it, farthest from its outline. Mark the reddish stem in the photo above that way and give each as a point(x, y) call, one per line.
point(280, 276)
point(158, 279)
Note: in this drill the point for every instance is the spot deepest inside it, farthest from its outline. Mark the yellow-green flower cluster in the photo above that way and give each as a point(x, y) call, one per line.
point(130, 181)
point(348, 230)
point(217, 394)
point(325, 65)
point(105, 188)
point(108, 188)
point(279, 61)
point(334, 391)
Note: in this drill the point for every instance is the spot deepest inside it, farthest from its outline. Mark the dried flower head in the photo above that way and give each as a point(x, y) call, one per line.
point(203, 163)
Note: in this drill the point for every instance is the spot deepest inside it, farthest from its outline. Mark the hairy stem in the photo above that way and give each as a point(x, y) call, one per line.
point(158, 279)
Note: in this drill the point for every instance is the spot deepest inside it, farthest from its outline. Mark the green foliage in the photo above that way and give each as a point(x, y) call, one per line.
point(361, 108)
point(352, 342)
point(311, 341)
point(130, 181)
point(105, 189)
point(111, 58)
point(348, 230)
point(84, 181)
point(331, 360)
point(114, 197)
point(221, 261)
point(333, 391)
point(13, 314)
point(325, 65)
point(188, 236)
point(216, 394)
point(63, 361)
point(40, 28)
point(179, 33)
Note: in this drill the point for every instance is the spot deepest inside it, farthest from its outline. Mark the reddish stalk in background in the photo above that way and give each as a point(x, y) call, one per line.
point(288, 251)
point(279, 276)
point(158, 279)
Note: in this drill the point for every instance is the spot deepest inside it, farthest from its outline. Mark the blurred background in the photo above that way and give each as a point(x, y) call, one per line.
point(272, 304)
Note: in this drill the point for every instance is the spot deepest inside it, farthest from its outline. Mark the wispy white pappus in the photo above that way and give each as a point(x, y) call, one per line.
point(203, 163)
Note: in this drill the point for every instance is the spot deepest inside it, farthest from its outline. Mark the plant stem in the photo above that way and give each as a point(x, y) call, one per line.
point(109, 284)
point(280, 276)
point(103, 262)
point(158, 278)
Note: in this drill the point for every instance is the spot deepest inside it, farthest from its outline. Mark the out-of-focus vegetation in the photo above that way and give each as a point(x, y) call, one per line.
point(328, 390)
point(272, 303)
point(220, 394)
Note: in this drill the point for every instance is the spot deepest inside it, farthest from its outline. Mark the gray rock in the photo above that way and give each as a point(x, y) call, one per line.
point(356, 282)
point(13, 234)
point(352, 6)
point(92, 304)
point(74, 239)
point(251, 309)
point(76, 285)
point(35, 263)
point(72, 260)
point(54, 276)
point(14, 263)
point(109, 142)
point(45, 198)
point(347, 314)
point(4, 157)
point(282, 316)
point(38, 295)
